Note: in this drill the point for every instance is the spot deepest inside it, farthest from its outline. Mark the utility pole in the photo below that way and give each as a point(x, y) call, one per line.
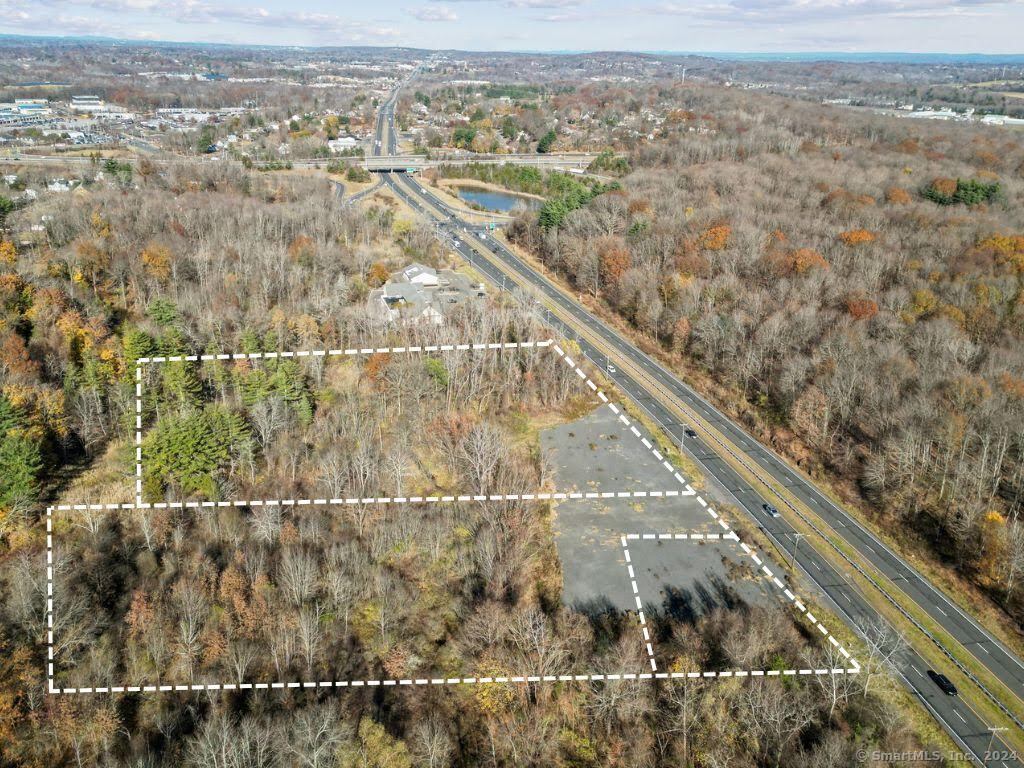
point(796, 546)
point(993, 730)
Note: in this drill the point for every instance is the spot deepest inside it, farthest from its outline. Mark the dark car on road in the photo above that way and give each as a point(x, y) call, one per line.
point(944, 683)
point(690, 432)
point(769, 510)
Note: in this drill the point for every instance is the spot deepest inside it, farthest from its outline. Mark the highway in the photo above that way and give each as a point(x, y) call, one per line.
point(673, 406)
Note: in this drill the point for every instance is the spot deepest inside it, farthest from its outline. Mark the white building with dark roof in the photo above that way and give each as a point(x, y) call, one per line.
point(420, 294)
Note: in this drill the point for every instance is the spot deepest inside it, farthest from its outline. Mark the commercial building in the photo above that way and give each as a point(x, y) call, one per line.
point(421, 294)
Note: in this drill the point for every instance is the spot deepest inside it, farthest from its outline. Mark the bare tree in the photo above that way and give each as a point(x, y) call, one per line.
point(315, 734)
point(885, 646)
point(432, 743)
point(297, 574)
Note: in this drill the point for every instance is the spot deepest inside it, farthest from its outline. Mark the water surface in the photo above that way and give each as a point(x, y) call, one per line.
point(503, 202)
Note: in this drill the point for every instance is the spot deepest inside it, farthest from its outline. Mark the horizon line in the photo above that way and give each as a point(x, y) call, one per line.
point(7, 36)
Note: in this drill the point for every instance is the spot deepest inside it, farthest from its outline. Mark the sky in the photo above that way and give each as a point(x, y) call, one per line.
point(947, 26)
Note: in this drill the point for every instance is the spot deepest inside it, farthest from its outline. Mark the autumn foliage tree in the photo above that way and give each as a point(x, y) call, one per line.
point(301, 249)
point(715, 238)
point(803, 260)
point(613, 260)
point(861, 308)
point(377, 275)
point(897, 196)
point(156, 258)
point(854, 237)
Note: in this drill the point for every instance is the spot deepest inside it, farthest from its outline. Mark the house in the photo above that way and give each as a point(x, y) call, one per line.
point(420, 294)
point(341, 144)
point(419, 274)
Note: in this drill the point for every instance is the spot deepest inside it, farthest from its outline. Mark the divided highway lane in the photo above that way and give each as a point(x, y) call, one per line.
point(635, 376)
point(1002, 663)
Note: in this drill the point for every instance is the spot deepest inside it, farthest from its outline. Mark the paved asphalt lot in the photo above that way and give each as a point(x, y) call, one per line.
point(596, 453)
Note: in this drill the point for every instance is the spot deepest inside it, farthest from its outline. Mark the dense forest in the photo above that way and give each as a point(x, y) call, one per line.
point(852, 286)
point(197, 258)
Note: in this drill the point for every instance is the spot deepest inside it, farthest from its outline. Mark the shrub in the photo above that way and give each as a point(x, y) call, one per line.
point(357, 174)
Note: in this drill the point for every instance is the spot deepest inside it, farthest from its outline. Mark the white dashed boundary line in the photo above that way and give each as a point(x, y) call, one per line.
point(632, 574)
point(349, 501)
point(350, 351)
point(730, 536)
point(728, 531)
point(304, 353)
point(639, 606)
point(138, 433)
point(512, 679)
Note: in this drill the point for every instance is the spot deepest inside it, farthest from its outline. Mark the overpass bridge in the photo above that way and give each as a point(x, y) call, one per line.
point(373, 163)
point(412, 163)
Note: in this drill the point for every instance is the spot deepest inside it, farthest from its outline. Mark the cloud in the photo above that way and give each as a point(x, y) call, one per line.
point(542, 3)
point(435, 13)
point(795, 11)
point(30, 18)
point(569, 16)
point(530, 4)
point(205, 12)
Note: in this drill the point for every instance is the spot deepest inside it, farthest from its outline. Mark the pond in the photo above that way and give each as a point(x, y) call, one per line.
point(503, 202)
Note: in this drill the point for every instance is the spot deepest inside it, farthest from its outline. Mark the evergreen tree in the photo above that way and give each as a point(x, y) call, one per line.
point(289, 383)
point(136, 344)
point(163, 312)
point(181, 385)
point(189, 451)
point(20, 460)
point(544, 145)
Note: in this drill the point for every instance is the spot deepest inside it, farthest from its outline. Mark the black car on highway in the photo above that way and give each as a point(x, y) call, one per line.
point(769, 510)
point(944, 683)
